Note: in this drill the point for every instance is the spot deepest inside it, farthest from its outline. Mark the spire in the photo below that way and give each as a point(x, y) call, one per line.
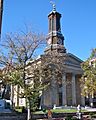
point(55, 39)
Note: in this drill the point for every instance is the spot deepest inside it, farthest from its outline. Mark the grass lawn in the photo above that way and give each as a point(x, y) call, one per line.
point(18, 110)
point(60, 111)
point(64, 110)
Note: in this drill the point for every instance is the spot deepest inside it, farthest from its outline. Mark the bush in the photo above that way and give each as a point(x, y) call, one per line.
point(44, 110)
point(20, 109)
point(93, 115)
point(70, 118)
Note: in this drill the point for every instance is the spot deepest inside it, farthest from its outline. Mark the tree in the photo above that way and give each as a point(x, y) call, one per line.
point(88, 79)
point(21, 67)
point(17, 50)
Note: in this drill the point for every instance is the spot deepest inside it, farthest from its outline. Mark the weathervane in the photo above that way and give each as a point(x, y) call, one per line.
point(54, 5)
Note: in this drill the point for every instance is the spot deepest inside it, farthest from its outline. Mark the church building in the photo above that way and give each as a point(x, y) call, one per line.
point(69, 92)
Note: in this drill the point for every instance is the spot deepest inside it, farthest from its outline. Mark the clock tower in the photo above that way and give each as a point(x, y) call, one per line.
point(55, 39)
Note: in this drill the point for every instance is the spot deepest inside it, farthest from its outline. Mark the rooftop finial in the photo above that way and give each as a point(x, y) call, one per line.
point(54, 5)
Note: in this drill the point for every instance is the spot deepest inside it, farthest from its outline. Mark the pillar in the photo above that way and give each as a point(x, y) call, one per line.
point(54, 93)
point(73, 90)
point(12, 94)
point(82, 100)
point(91, 100)
point(64, 97)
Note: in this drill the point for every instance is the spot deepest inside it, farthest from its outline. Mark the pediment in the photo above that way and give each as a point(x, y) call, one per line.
point(73, 60)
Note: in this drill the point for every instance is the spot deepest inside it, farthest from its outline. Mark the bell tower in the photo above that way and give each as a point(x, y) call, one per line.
point(55, 39)
point(1, 12)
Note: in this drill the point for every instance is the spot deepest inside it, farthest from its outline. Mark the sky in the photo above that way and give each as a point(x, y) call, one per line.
point(78, 22)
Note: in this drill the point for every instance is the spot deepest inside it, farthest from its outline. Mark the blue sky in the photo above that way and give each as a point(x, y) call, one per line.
point(78, 21)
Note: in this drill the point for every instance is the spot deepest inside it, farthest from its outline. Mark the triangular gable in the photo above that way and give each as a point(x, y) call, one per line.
point(72, 59)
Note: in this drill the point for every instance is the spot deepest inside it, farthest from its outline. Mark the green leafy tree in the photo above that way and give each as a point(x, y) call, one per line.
point(88, 80)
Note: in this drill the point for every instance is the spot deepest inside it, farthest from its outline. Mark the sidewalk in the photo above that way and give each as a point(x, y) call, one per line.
point(90, 109)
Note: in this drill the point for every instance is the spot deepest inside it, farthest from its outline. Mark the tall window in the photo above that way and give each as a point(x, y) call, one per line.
point(50, 25)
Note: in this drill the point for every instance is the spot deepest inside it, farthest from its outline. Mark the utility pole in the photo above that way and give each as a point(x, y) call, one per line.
point(1, 13)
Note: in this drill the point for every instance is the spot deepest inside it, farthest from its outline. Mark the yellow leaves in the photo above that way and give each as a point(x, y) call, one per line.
point(88, 79)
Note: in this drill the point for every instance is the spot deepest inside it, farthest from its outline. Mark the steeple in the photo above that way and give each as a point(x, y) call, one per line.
point(55, 39)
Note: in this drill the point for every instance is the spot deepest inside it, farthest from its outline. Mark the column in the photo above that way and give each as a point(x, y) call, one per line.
point(54, 91)
point(12, 95)
point(73, 90)
point(91, 100)
point(41, 99)
point(64, 97)
point(41, 96)
point(82, 100)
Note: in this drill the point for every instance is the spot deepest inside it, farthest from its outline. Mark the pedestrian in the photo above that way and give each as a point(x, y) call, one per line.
point(49, 114)
point(79, 114)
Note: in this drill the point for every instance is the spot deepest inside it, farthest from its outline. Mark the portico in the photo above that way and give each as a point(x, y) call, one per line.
point(71, 90)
